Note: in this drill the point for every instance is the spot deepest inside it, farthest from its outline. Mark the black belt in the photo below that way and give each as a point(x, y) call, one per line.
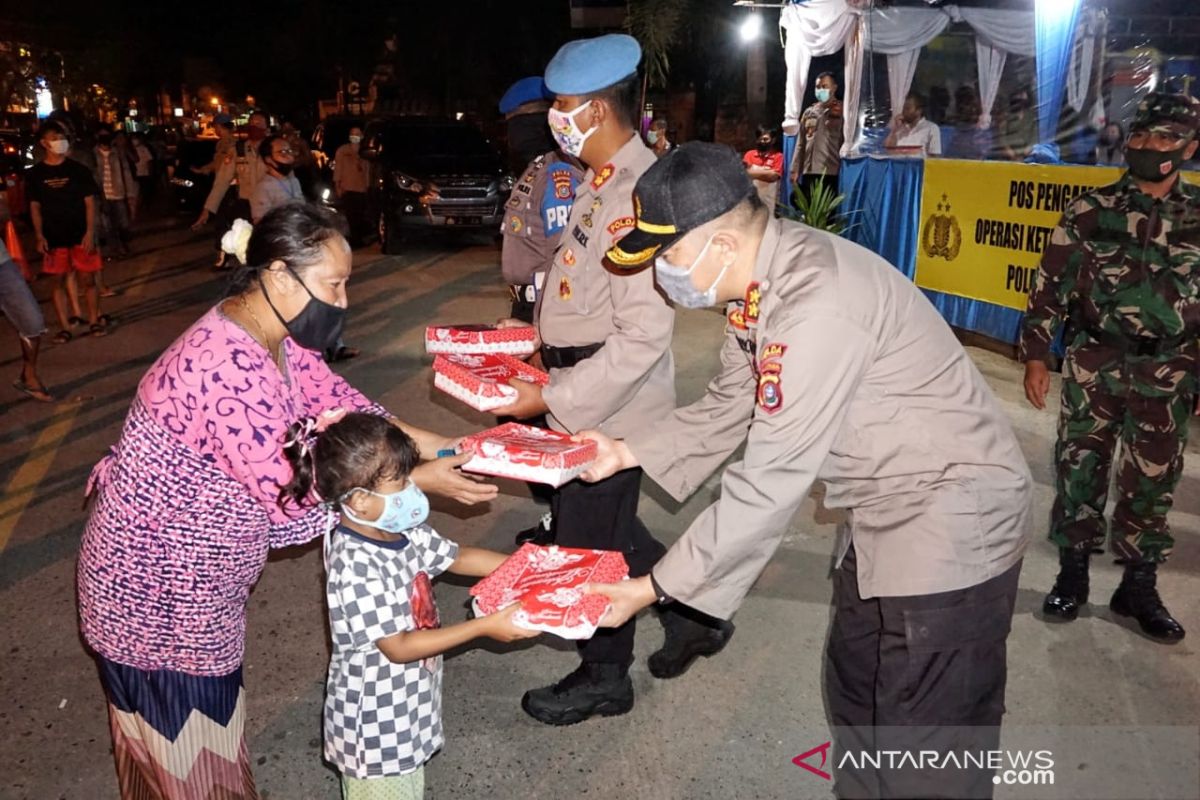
point(566, 357)
point(1137, 345)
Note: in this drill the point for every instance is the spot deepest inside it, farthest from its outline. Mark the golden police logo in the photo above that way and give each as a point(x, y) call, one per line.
point(562, 183)
point(587, 218)
point(564, 289)
point(941, 237)
point(515, 225)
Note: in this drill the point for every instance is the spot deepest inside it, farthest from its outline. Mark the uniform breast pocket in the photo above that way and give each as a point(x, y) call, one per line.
point(1109, 264)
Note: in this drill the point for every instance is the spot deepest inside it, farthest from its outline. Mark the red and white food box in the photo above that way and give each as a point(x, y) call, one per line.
point(537, 455)
point(546, 581)
point(480, 339)
point(481, 380)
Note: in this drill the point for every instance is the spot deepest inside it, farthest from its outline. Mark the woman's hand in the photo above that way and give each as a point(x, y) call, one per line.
point(500, 626)
point(441, 476)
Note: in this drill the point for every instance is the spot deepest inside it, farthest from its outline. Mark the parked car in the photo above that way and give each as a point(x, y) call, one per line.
point(191, 188)
point(330, 134)
point(429, 173)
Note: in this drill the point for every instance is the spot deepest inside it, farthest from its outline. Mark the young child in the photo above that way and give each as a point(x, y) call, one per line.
point(383, 694)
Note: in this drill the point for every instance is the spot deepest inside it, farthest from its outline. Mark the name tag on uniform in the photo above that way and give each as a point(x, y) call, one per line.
point(580, 236)
point(524, 188)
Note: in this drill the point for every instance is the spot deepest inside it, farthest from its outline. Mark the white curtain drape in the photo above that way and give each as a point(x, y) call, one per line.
point(901, 69)
point(900, 33)
point(818, 28)
point(990, 61)
point(853, 54)
point(1005, 29)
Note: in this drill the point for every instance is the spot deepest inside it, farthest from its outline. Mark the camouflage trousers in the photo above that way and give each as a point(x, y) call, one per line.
point(1103, 404)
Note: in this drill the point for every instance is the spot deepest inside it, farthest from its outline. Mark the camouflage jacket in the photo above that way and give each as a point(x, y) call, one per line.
point(1123, 263)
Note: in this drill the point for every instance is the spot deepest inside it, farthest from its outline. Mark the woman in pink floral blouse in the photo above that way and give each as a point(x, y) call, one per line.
point(184, 508)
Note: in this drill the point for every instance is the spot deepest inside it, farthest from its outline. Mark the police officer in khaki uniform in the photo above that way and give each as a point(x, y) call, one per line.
point(246, 165)
point(606, 341)
point(835, 368)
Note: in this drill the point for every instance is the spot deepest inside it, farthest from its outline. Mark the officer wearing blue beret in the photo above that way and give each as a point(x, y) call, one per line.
point(606, 341)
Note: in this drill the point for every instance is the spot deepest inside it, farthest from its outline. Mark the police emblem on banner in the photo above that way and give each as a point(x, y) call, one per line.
point(940, 236)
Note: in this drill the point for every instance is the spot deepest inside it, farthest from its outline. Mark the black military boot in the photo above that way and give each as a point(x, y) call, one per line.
point(1137, 597)
point(1070, 587)
point(689, 634)
point(592, 689)
point(540, 534)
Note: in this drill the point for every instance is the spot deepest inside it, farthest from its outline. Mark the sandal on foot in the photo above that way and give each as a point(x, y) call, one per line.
point(99, 330)
point(62, 337)
point(35, 392)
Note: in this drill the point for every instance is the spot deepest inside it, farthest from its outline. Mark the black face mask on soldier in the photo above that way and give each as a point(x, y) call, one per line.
point(1154, 165)
point(318, 326)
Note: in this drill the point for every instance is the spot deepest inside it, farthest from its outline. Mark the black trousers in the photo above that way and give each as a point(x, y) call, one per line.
point(921, 672)
point(603, 516)
point(354, 206)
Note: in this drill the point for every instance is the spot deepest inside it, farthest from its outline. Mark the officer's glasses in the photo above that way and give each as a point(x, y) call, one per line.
point(1159, 140)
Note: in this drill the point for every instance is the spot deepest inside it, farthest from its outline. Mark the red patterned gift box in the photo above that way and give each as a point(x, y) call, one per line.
point(546, 581)
point(527, 453)
point(481, 380)
point(480, 339)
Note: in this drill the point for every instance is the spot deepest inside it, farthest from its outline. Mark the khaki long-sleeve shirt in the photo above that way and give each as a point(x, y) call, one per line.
point(246, 166)
point(836, 368)
point(632, 377)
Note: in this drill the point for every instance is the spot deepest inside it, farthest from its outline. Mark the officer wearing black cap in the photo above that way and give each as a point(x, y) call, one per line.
point(607, 344)
point(1124, 265)
point(835, 368)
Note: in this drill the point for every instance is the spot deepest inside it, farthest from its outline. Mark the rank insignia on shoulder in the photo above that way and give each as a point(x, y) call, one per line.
point(753, 299)
point(602, 175)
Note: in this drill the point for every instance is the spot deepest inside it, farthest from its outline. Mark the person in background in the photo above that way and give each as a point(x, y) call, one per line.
point(20, 307)
point(656, 137)
point(144, 170)
point(911, 129)
point(819, 144)
point(938, 109)
point(968, 140)
point(117, 192)
point(1018, 130)
point(280, 185)
point(351, 178)
point(304, 166)
point(524, 106)
point(246, 167)
point(764, 164)
point(63, 204)
point(124, 145)
point(1110, 147)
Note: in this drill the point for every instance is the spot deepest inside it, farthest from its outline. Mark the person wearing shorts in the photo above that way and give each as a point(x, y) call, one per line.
point(19, 306)
point(62, 195)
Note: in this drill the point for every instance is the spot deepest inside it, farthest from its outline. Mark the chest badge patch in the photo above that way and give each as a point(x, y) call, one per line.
point(569, 257)
point(564, 289)
point(515, 225)
point(770, 374)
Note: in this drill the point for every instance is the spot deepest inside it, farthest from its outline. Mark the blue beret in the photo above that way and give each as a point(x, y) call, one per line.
point(526, 90)
point(588, 65)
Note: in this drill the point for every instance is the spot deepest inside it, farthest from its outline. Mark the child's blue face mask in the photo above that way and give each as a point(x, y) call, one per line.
point(402, 510)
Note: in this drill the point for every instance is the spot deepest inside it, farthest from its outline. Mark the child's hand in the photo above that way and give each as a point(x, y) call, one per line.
point(501, 628)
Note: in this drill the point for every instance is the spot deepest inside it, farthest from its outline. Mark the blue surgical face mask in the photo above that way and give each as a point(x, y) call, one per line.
point(402, 510)
point(652, 137)
point(677, 282)
point(822, 95)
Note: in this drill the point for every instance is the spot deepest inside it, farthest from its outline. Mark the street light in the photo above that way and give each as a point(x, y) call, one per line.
point(751, 28)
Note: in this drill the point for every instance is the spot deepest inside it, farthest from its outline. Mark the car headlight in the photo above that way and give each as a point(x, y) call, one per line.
point(507, 183)
point(407, 184)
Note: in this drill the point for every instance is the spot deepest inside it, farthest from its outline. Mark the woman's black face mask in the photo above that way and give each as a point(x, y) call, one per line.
point(318, 326)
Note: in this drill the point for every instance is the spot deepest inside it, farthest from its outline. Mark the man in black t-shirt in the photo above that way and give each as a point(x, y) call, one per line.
point(62, 202)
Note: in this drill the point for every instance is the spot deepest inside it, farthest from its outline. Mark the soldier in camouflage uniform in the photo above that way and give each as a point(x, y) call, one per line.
point(1124, 266)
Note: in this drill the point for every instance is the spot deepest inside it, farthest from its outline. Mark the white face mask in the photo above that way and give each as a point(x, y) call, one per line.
point(355, 139)
point(566, 133)
point(677, 282)
point(652, 137)
point(60, 147)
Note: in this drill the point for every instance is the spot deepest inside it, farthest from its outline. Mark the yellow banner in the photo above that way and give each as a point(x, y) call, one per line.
point(984, 224)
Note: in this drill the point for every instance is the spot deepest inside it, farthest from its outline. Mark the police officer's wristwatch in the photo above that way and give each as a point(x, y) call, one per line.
point(661, 597)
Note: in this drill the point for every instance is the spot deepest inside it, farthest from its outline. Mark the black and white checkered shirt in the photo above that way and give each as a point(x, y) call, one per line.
point(382, 718)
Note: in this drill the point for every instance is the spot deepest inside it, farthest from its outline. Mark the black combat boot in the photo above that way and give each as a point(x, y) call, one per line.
point(1070, 587)
point(541, 534)
point(689, 634)
point(1137, 597)
point(592, 689)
